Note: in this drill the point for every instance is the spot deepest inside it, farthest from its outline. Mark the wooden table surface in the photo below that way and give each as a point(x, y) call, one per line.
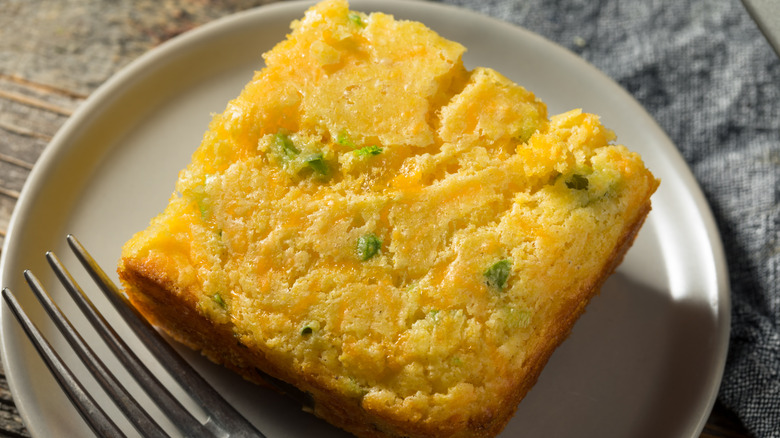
point(54, 53)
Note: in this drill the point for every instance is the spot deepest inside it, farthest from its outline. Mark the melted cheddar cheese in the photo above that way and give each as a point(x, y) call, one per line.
point(373, 215)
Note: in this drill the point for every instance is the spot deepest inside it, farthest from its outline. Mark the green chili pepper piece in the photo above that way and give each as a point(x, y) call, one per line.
point(369, 150)
point(286, 146)
point(367, 246)
point(355, 18)
point(317, 163)
point(577, 182)
point(497, 275)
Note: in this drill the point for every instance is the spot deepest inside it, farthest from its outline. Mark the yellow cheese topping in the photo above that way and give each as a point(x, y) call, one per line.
point(370, 212)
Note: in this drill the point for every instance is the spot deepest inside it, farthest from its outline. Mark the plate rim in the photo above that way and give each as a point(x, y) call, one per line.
point(125, 77)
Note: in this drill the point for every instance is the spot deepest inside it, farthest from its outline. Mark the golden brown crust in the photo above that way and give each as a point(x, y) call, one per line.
point(174, 311)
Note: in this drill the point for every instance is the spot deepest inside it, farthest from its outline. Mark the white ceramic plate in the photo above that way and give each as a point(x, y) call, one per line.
point(645, 360)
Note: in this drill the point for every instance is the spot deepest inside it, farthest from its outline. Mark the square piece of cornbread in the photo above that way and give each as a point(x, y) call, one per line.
point(403, 239)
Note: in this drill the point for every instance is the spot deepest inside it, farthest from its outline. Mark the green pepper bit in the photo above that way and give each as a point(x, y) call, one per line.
point(309, 328)
point(368, 246)
point(218, 299)
point(357, 19)
point(497, 275)
point(517, 318)
point(286, 146)
point(201, 199)
point(204, 209)
point(577, 182)
point(369, 150)
point(317, 163)
point(344, 140)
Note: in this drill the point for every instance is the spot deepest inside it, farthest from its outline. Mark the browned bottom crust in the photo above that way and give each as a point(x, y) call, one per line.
point(175, 312)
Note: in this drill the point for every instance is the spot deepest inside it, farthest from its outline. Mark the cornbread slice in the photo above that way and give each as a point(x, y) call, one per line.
point(404, 239)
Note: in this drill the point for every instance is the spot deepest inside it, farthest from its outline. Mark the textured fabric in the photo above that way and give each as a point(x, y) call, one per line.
point(706, 74)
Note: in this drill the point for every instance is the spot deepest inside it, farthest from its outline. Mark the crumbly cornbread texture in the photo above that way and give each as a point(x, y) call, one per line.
point(404, 239)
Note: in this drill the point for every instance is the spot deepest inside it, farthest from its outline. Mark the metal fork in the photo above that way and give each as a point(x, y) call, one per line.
point(223, 421)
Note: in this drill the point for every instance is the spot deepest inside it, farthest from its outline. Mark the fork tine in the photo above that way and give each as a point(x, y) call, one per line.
point(95, 417)
point(221, 413)
point(132, 410)
point(180, 416)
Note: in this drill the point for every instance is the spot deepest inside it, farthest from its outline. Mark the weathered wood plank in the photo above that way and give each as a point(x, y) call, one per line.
point(10, 159)
point(12, 178)
point(21, 118)
point(35, 103)
point(34, 88)
point(76, 45)
point(10, 422)
point(7, 204)
point(22, 145)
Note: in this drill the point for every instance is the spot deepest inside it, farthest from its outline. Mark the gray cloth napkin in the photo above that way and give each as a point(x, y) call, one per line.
point(706, 74)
